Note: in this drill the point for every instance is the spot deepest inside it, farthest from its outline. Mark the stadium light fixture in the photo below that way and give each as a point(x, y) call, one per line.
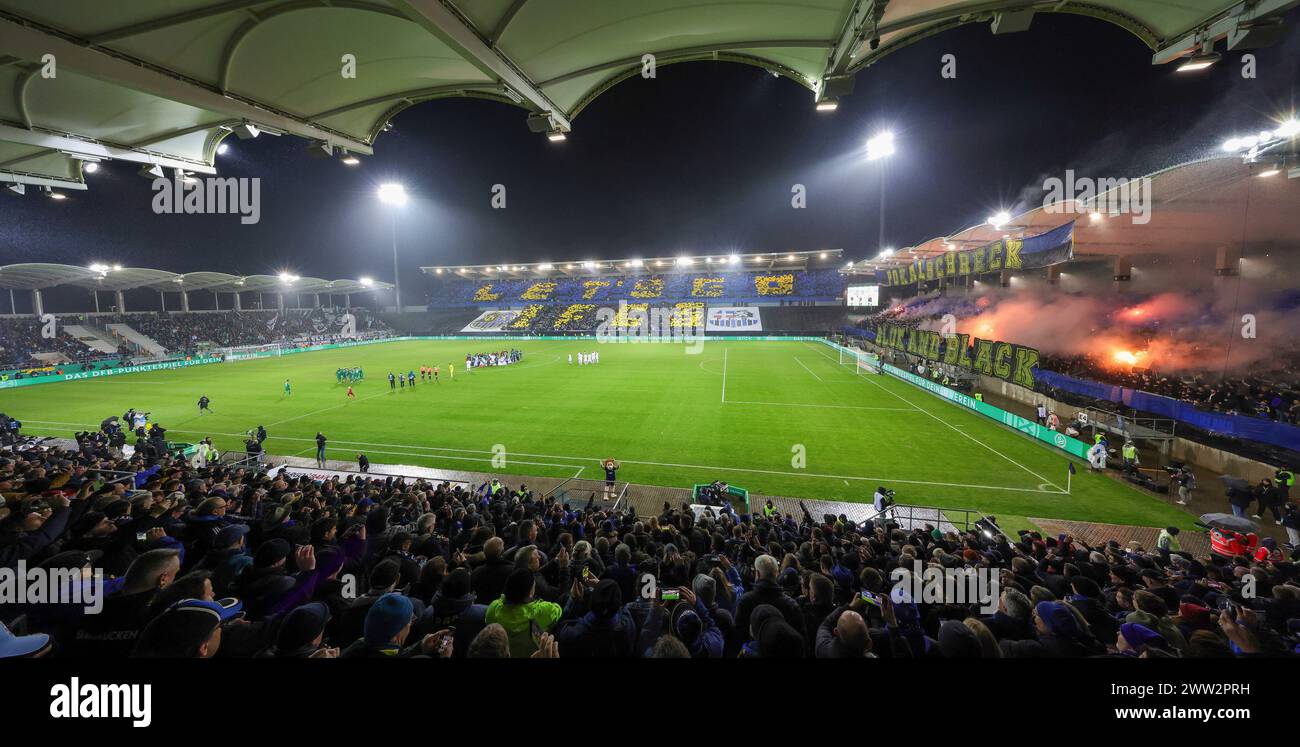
point(349, 160)
point(733, 259)
point(90, 167)
point(1269, 172)
point(223, 149)
point(286, 278)
point(545, 267)
point(880, 146)
point(685, 261)
point(999, 219)
point(1288, 129)
point(828, 105)
point(368, 282)
point(56, 195)
point(98, 267)
point(822, 255)
point(589, 265)
point(636, 263)
point(1096, 216)
point(1200, 61)
point(152, 171)
point(392, 193)
point(556, 136)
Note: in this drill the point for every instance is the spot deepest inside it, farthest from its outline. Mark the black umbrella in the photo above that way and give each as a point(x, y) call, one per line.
point(1227, 521)
point(1231, 482)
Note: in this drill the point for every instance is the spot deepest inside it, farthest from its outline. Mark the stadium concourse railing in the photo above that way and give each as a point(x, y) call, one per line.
point(1043, 434)
point(970, 518)
point(577, 491)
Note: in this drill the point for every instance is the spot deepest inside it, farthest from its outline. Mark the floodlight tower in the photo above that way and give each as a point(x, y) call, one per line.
point(393, 194)
point(879, 148)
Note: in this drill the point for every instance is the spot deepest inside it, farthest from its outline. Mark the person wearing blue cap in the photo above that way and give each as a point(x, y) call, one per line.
point(1135, 639)
point(387, 626)
point(32, 646)
point(189, 629)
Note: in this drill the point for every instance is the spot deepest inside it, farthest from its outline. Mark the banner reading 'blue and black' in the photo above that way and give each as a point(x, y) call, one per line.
point(1054, 247)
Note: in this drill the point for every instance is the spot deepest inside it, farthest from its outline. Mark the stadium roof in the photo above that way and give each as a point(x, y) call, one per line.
point(39, 275)
point(801, 260)
point(1194, 207)
point(162, 82)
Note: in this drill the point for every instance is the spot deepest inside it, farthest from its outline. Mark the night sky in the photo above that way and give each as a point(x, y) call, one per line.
point(700, 159)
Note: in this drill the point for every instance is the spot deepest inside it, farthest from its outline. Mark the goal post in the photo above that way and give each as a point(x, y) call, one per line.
point(861, 362)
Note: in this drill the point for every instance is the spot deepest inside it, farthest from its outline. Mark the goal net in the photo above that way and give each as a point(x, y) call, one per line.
point(863, 363)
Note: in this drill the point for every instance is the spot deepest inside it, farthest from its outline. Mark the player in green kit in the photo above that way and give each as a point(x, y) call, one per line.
point(288, 390)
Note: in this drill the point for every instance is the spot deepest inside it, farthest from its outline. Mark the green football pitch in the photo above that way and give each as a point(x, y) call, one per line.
point(778, 418)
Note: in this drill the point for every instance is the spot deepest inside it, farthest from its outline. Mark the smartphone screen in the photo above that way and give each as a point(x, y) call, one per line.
point(670, 595)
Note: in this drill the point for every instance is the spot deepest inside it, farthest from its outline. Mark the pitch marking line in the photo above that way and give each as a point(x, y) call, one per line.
point(841, 407)
point(809, 370)
point(724, 374)
point(325, 409)
point(963, 433)
point(697, 467)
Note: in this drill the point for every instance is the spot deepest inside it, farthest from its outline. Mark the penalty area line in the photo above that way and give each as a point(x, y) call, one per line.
point(419, 452)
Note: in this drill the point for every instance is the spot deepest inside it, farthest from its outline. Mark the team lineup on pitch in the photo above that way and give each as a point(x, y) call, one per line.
point(779, 418)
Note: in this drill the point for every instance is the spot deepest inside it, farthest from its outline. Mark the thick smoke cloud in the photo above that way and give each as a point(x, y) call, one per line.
point(1177, 326)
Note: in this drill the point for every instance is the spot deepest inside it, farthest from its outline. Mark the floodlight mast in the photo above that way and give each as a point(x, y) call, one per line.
point(393, 194)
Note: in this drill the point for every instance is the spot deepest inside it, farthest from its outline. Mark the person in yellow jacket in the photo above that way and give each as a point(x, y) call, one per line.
point(522, 615)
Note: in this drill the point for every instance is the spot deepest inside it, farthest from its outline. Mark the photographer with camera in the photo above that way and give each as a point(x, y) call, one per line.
point(883, 499)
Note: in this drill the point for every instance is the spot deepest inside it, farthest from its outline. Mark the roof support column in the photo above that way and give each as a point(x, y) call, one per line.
point(1227, 261)
point(238, 307)
point(95, 294)
point(185, 300)
point(38, 306)
point(216, 300)
point(315, 300)
point(162, 297)
point(121, 302)
point(347, 301)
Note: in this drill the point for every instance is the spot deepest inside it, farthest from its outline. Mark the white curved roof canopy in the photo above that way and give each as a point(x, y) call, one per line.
point(163, 81)
point(39, 275)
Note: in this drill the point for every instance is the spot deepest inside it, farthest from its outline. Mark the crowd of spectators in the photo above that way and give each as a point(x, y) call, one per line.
point(187, 332)
point(712, 287)
point(227, 562)
point(1277, 399)
point(21, 341)
point(1238, 396)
